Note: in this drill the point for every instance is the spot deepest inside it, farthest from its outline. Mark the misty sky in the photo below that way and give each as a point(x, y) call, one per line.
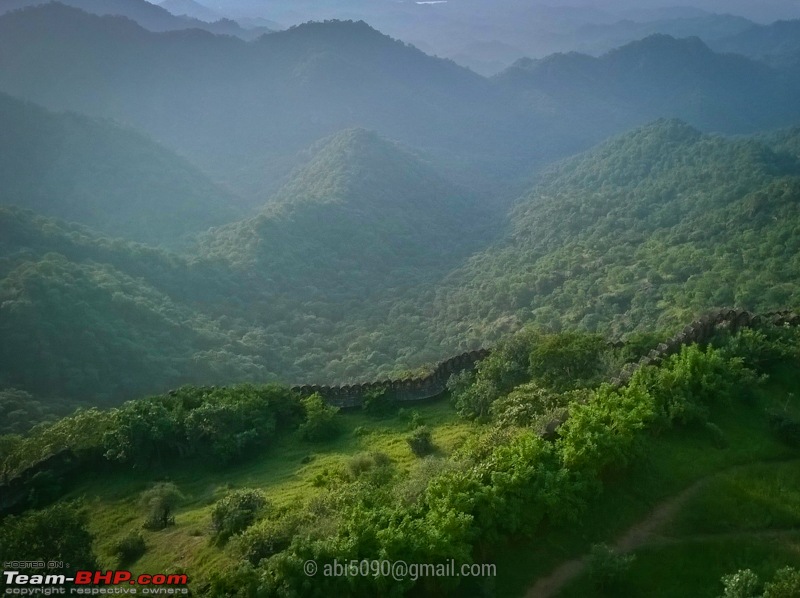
point(757, 10)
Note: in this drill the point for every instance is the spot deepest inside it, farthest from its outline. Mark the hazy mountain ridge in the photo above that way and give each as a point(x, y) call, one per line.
point(663, 76)
point(242, 111)
point(149, 15)
point(232, 106)
point(777, 44)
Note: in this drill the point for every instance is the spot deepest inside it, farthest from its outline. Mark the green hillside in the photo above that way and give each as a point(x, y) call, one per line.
point(238, 487)
point(364, 214)
point(643, 231)
point(285, 294)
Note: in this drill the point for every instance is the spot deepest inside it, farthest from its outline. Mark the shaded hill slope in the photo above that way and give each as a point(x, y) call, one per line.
point(661, 76)
point(105, 176)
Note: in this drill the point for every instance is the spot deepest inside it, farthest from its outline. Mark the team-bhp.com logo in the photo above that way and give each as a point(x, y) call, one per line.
point(94, 582)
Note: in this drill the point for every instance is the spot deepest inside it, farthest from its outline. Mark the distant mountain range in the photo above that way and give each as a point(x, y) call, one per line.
point(777, 44)
point(192, 9)
point(148, 15)
point(243, 111)
point(662, 76)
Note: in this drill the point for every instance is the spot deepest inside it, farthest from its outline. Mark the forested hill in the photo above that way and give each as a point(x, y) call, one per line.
point(110, 178)
point(339, 279)
point(361, 216)
point(279, 296)
point(647, 229)
point(93, 320)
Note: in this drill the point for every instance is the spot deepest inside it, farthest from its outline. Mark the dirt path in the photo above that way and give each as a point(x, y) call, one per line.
point(645, 533)
point(640, 534)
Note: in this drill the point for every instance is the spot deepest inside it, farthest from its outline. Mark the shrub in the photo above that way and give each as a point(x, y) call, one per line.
point(785, 584)
point(742, 584)
point(525, 403)
point(129, 549)
point(376, 467)
point(160, 502)
point(237, 511)
point(320, 422)
point(417, 420)
point(475, 401)
point(428, 468)
point(378, 403)
point(265, 538)
point(784, 428)
point(606, 567)
point(689, 383)
point(421, 442)
point(566, 361)
point(607, 430)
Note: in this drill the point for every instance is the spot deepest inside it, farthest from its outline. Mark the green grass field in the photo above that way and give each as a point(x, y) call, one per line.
point(285, 472)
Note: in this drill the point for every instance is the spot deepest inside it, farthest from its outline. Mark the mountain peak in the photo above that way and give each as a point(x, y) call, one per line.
point(356, 165)
point(661, 47)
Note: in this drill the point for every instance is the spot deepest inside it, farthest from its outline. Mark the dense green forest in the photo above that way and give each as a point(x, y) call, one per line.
point(647, 229)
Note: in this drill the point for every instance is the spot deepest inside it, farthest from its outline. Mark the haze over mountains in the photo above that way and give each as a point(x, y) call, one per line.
point(241, 111)
point(110, 178)
point(150, 16)
point(489, 36)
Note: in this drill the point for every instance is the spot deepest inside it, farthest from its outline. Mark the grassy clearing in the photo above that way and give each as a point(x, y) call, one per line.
point(756, 498)
point(672, 462)
point(694, 568)
point(285, 471)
